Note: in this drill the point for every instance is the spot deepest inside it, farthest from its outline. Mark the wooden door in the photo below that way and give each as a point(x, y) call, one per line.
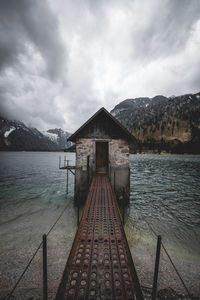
point(101, 157)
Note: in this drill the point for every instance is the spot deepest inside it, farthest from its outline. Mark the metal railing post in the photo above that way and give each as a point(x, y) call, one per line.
point(155, 279)
point(45, 293)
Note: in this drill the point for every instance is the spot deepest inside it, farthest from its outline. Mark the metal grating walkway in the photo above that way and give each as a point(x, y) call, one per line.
point(100, 265)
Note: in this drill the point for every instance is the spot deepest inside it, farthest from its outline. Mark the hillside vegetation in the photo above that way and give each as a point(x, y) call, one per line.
point(163, 124)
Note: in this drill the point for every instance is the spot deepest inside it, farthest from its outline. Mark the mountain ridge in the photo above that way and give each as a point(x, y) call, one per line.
point(162, 123)
point(169, 124)
point(16, 136)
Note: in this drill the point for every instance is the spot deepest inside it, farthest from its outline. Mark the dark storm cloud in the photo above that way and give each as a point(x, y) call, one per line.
point(60, 61)
point(32, 60)
point(25, 22)
point(166, 28)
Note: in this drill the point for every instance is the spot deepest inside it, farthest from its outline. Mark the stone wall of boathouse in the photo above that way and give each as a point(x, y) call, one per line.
point(118, 167)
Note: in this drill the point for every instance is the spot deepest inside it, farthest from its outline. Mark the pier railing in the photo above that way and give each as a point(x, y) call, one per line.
point(162, 247)
point(152, 289)
point(42, 245)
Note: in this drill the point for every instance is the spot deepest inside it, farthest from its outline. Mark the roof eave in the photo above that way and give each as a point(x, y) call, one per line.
point(72, 138)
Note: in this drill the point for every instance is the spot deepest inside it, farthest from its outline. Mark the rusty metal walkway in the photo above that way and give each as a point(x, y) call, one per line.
point(100, 265)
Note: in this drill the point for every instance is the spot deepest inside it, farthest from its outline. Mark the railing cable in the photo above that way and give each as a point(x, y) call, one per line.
point(38, 248)
point(177, 272)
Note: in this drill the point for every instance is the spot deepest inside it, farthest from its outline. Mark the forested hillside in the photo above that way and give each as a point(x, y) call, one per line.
point(163, 124)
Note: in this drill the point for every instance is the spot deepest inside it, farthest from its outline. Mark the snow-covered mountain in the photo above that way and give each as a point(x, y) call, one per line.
point(16, 136)
point(59, 137)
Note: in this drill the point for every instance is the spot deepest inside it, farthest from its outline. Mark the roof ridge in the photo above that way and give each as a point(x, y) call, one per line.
point(73, 136)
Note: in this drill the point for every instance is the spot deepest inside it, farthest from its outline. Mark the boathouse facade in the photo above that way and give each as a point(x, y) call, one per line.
point(102, 146)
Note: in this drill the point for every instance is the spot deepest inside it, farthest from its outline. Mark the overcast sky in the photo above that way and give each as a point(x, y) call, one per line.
point(60, 61)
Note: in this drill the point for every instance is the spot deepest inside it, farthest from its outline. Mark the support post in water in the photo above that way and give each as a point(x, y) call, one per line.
point(59, 161)
point(45, 294)
point(123, 201)
point(78, 215)
point(114, 180)
point(67, 175)
point(155, 279)
point(65, 161)
point(88, 172)
point(123, 213)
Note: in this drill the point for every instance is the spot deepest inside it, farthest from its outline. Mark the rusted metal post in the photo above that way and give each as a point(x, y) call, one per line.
point(45, 293)
point(155, 279)
point(59, 161)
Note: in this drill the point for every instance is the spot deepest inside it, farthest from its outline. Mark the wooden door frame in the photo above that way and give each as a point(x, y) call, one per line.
point(101, 142)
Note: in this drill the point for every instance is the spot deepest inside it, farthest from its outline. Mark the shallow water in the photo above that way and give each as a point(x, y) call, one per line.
point(165, 193)
point(164, 198)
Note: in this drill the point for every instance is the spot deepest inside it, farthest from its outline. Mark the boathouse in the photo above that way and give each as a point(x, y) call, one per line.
point(102, 146)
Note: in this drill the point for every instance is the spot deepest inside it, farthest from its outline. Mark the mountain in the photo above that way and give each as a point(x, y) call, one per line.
point(163, 124)
point(59, 137)
point(16, 136)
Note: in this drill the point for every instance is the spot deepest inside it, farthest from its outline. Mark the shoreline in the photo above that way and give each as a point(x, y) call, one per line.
point(147, 152)
point(165, 153)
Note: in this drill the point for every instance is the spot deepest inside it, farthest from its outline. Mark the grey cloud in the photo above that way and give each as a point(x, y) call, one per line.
point(41, 114)
point(32, 22)
point(167, 29)
point(111, 50)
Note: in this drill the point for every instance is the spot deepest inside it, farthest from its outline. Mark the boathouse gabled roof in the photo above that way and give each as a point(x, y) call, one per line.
point(102, 125)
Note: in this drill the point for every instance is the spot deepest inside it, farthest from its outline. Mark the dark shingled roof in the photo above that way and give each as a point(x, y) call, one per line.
point(77, 133)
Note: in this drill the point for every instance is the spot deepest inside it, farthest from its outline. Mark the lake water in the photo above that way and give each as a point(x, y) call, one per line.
point(165, 198)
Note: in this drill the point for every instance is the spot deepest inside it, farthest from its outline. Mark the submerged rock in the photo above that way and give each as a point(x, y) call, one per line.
point(167, 294)
point(170, 294)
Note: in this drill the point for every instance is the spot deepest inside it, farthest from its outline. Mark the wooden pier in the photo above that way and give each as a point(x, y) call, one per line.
point(100, 265)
